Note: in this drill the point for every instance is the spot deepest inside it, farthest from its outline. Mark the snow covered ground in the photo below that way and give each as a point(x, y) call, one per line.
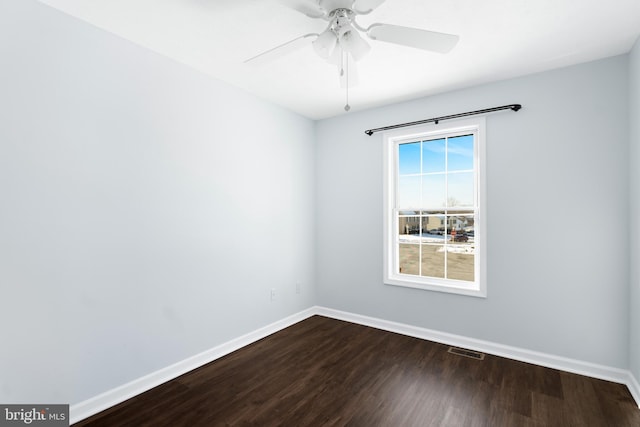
point(451, 247)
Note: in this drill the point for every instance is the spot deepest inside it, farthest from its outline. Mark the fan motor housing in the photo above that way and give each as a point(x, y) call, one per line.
point(330, 5)
point(341, 20)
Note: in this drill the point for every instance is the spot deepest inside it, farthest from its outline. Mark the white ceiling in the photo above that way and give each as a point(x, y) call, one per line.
point(498, 39)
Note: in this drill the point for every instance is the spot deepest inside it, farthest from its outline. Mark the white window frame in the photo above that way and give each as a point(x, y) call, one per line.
point(392, 140)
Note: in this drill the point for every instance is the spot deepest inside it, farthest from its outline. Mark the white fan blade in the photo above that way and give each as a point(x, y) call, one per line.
point(413, 37)
point(282, 49)
point(362, 7)
point(311, 8)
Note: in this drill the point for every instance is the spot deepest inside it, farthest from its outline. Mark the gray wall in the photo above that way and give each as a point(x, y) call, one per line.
point(634, 235)
point(145, 213)
point(557, 177)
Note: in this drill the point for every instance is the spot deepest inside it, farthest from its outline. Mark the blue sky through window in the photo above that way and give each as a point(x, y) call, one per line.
point(409, 158)
point(433, 155)
point(460, 153)
point(429, 162)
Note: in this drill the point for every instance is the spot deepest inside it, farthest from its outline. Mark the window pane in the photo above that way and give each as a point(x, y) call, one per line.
point(462, 223)
point(470, 230)
point(408, 259)
point(459, 226)
point(409, 158)
point(460, 189)
point(433, 260)
point(433, 156)
point(408, 192)
point(461, 261)
point(433, 191)
point(461, 247)
point(408, 225)
point(433, 227)
point(460, 153)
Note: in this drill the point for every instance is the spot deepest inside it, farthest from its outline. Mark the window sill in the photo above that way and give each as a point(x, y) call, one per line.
point(452, 287)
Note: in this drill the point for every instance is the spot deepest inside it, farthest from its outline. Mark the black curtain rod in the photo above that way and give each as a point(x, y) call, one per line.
point(436, 120)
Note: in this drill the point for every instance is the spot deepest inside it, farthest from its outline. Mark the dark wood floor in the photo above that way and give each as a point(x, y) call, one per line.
point(325, 372)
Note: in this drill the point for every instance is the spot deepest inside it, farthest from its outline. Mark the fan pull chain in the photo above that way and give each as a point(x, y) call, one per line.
point(347, 107)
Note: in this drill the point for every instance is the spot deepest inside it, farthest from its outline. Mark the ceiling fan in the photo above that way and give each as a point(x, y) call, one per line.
point(341, 42)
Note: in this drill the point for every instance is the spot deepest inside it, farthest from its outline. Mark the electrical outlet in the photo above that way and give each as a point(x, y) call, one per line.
point(273, 294)
point(298, 287)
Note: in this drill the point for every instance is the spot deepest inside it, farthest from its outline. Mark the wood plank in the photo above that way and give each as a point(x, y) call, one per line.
point(326, 372)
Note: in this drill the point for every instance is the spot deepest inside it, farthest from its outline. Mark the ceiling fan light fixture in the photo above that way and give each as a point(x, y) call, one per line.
point(353, 43)
point(336, 57)
point(325, 44)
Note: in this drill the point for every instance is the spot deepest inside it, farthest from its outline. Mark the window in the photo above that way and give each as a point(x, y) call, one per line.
point(434, 216)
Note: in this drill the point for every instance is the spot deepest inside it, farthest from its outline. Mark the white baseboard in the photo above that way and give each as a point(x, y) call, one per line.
point(634, 388)
point(537, 358)
point(87, 408)
point(92, 406)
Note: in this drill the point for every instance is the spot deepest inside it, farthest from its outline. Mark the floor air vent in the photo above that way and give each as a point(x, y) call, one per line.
point(466, 353)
